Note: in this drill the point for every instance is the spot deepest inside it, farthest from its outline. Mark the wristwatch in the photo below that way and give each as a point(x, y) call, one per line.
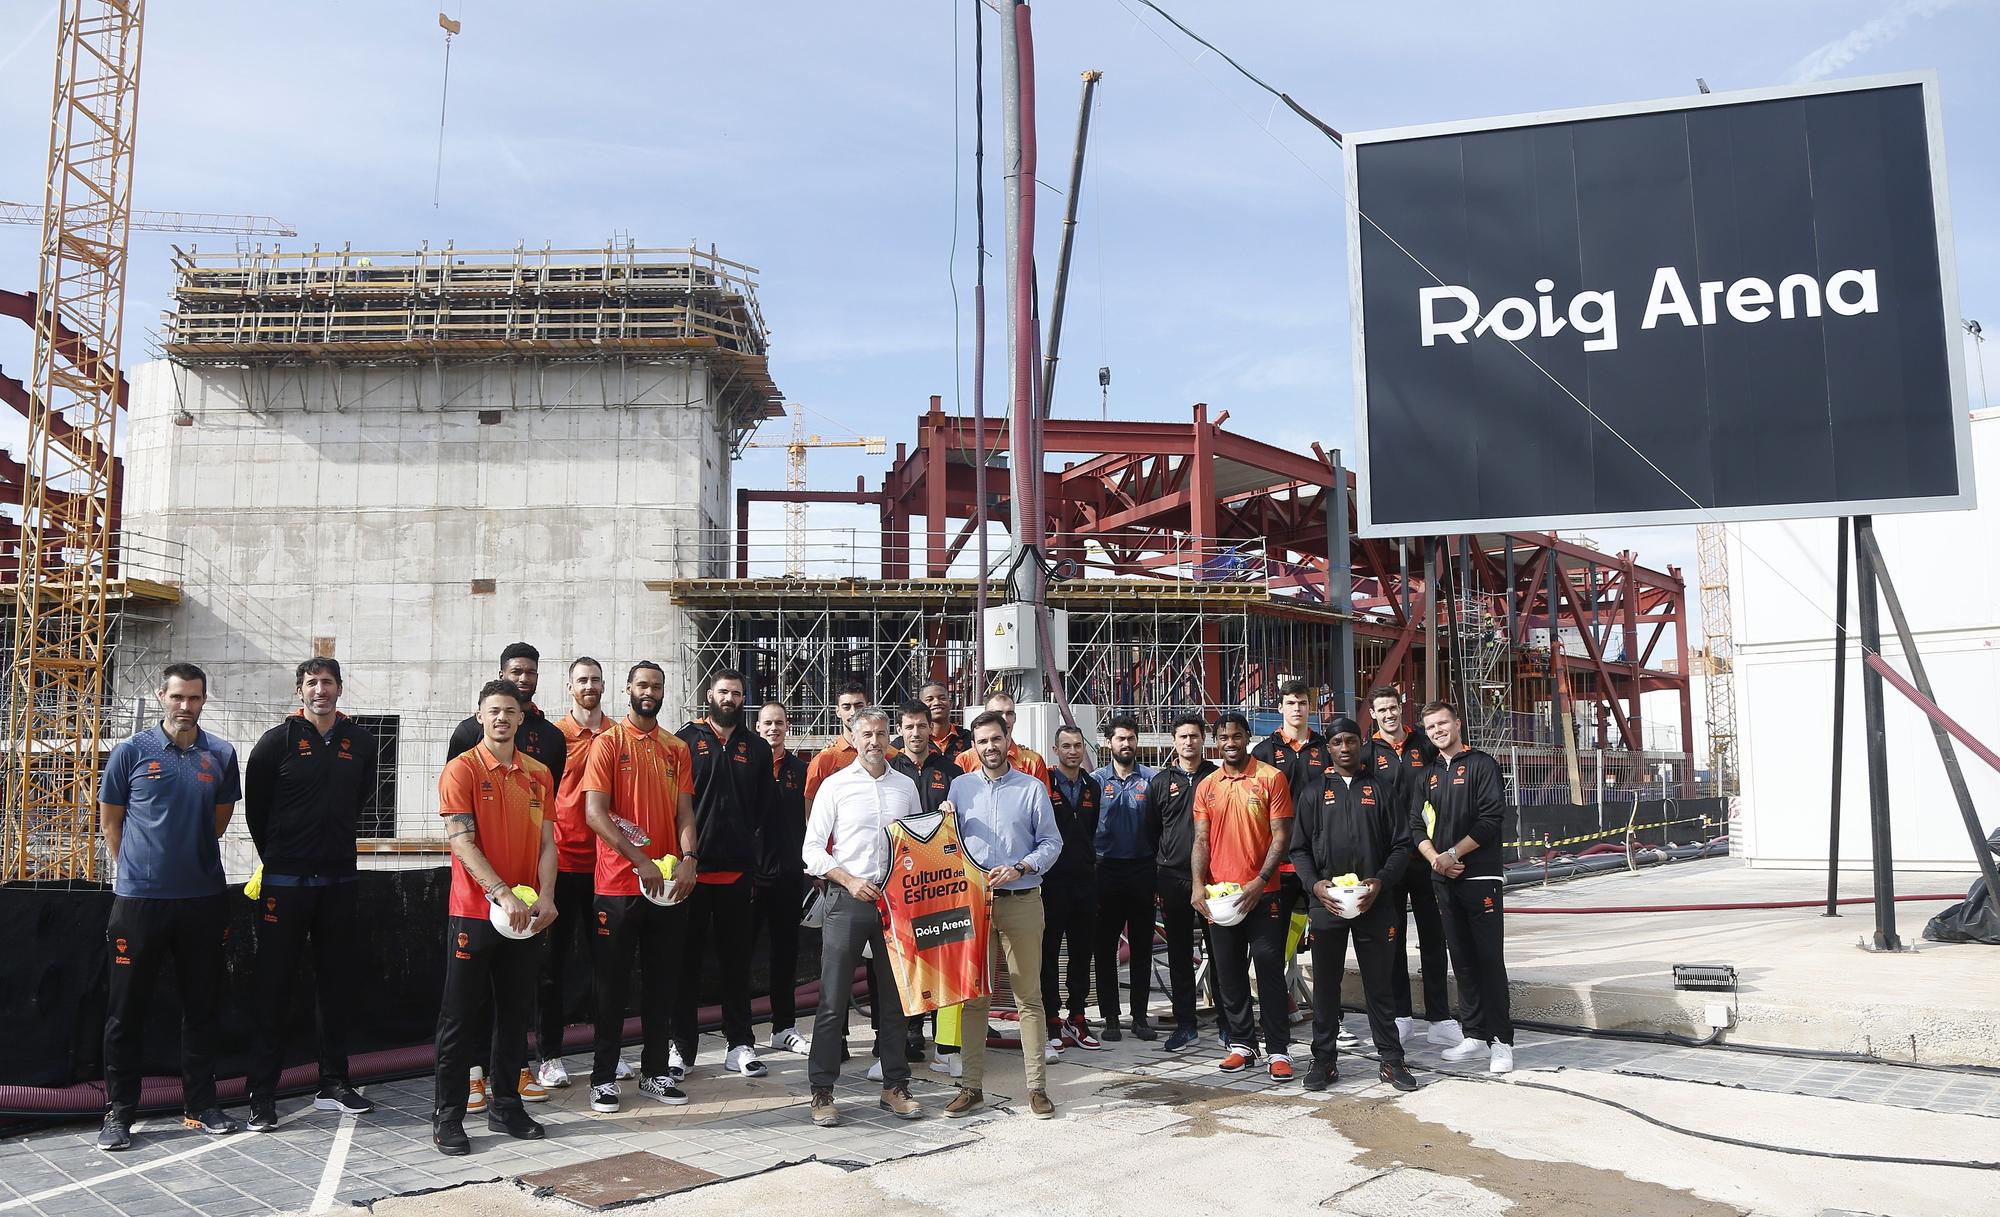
point(1452, 853)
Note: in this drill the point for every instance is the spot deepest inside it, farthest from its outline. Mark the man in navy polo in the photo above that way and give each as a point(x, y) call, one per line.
point(166, 796)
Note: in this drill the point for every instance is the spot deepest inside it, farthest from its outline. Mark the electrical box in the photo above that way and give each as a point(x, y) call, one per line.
point(1013, 638)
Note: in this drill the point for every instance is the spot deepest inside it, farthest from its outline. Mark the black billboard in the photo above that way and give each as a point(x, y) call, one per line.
point(1755, 290)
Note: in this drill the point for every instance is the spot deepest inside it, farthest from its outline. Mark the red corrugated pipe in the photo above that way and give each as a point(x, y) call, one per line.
point(1728, 908)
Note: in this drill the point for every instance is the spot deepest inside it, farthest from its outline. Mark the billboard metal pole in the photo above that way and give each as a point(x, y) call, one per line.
point(1839, 718)
point(1878, 739)
point(1340, 590)
point(1946, 752)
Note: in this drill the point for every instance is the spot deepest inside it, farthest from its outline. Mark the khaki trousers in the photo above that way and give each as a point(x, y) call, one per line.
point(1017, 925)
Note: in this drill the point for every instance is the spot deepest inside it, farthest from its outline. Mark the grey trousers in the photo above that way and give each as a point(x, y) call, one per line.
point(851, 924)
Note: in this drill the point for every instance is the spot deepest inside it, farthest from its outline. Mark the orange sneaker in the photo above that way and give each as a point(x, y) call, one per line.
point(531, 1088)
point(1281, 1069)
point(475, 1095)
point(1238, 1060)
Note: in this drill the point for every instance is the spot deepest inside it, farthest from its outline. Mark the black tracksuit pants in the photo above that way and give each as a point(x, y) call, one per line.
point(1475, 926)
point(1069, 911)
point(1256, 941)
point(1177, 918)
point(489, 1000)
point(570, 935)
point(1375, 944)
point(1416, 895)
point(718, 916)
point(291, 923)
point(625, 926)
point(1125, 890)
point(143, 936)
point(774, 908)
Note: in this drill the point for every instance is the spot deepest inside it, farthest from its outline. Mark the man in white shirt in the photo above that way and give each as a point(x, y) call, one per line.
point(847, 844)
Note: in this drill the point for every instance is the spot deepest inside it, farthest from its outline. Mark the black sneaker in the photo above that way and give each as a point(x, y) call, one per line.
point(1182, 1039)
point(448, 1134)
point(514, 1122)
point(917, 1051)
point(263, 1115)
point(345, 1099)
point(1322, 1075)
point(214, 1122)
point(116, 1135)
point(1397, 1074)
point(1142, 1030)
point(1111, 1034)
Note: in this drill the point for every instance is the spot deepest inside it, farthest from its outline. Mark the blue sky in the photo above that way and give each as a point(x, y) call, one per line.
point(830, 146)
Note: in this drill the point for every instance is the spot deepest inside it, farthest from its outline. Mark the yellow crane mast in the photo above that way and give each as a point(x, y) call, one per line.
point(56, 708)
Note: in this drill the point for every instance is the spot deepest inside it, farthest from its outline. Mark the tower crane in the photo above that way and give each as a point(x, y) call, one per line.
point(168, 221)
point(795, 480)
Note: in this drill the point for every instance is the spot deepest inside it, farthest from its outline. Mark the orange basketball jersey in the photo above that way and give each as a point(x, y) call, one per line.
point(937, 910)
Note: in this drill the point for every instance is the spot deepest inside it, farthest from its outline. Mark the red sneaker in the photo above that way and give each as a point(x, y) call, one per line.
point(1076, 1034)
point(1281, 1069)
point(1238, 1060)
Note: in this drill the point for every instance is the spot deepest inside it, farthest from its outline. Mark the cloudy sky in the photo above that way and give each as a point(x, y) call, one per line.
point(830, 146)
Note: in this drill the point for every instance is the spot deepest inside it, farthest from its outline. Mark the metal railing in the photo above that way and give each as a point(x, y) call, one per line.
point(865, 551)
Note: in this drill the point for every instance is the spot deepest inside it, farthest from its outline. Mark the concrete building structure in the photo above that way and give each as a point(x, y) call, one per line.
point(1782, 577)
point(407, 461)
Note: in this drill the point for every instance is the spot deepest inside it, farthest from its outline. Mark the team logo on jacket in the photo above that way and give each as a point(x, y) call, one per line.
point(464, 939)
point(909, 862)
point(1488, 903)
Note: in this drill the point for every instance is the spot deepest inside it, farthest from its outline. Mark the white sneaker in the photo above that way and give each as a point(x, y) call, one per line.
point(951, 1065)
point(626, 1070)
point(1345, 1038)
point(676, 1067)
point(875, 1072)
point(789, 1040)
point(1052, 1051)
point(1445, 1033)
point(1405, 1028)
point(475, 1095)
point(552, 1075)
point(1503, 1058)
point(743, 1059)
point(1466, 1050)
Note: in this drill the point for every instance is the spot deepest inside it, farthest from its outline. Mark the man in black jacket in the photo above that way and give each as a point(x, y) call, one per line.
point(304, 787)
point(779, 889)
point(1346, 821)
point(520, 666)
point(1404, 758)
point(1170, 808)
point(734, 791)
point(1457, 830)
point(1069, 895)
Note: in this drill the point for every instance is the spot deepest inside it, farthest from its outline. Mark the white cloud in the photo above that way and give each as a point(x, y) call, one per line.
point(1831, 57)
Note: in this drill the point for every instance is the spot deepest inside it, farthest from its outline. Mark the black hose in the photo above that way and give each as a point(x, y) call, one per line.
point(1739, 1142)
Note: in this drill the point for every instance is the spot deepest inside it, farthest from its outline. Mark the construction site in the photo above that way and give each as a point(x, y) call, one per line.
point(408, 455)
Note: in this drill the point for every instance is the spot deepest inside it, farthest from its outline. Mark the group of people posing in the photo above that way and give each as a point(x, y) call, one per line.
point(619, 842)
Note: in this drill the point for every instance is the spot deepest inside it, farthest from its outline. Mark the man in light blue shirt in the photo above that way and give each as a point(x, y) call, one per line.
point(1126, 877)
point(1009, 829)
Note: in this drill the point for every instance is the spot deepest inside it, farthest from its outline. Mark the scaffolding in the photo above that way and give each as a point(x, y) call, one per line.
point(1149, 648)
point(620, 303)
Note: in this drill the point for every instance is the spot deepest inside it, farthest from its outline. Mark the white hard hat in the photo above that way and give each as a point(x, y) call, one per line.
point(666, 898)
point(501, 922)
point(1227, 910)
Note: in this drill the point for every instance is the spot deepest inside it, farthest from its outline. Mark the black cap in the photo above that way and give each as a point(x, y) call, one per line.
point(1342, 723)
